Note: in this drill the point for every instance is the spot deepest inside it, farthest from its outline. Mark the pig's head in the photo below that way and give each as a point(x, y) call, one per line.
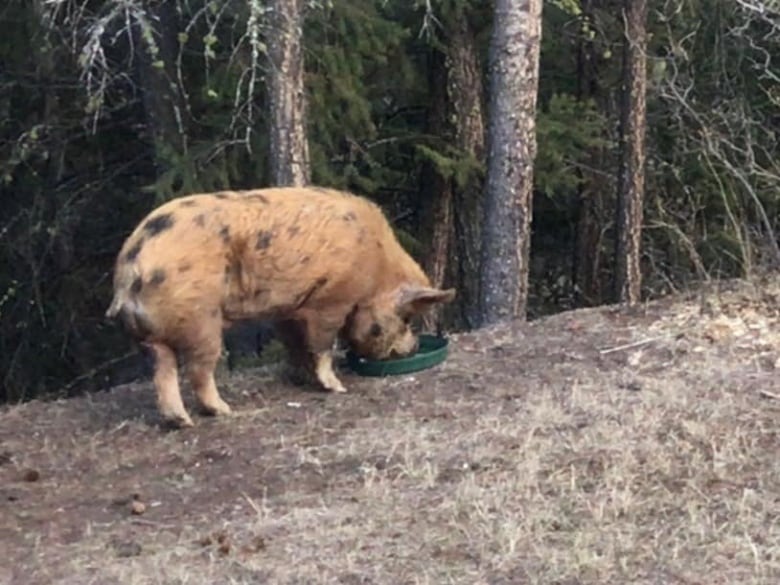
point(381, 328)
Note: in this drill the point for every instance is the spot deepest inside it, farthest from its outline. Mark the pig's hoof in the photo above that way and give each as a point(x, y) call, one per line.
point(334, 386)
point(216, 408)
point(180, 420)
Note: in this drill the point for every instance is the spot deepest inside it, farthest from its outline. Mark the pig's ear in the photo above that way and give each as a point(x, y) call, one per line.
point(419, 299)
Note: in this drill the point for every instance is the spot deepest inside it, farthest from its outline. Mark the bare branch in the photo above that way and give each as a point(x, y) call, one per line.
point(732, 134)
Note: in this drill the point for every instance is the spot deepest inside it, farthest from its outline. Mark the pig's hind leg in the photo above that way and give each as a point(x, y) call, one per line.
point(299, 368)
point(166, 383)
point(201, 356)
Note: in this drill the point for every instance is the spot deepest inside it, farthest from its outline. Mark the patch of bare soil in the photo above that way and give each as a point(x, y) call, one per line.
point(596, 446)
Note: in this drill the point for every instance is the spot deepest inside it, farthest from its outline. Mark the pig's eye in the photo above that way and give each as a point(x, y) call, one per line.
point(376, 330)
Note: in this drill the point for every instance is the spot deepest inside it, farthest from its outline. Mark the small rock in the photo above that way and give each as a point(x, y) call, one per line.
point(126, 548)
point(255, 545)
point(31, 475)
point(632, 386)
point(205, 540)
point(224, 548)
point(137, 508)
point(221, 539)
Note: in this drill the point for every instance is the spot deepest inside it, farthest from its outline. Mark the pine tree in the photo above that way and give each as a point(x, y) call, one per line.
point(514, 63)
point(631, 177)
point(289, 148)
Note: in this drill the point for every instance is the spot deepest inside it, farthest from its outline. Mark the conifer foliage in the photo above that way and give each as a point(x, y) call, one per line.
point(510, 189)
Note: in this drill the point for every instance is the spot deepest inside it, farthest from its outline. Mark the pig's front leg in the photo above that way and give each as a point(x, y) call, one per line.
point(321, 333)
point(325, 374)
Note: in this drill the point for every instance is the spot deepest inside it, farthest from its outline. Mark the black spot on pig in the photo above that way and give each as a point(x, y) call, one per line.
point(224, 233)
point(229, 271)
point(293, 230)
point(185, 266)
point(137, 285)
point(264, 238)
point(133, 252)
point(189, 203)
point(259, 197)
point(200, 220)
point(156, 225)
point(158, 277)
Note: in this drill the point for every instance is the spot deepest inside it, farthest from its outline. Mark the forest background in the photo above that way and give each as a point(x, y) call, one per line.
point(109, 107)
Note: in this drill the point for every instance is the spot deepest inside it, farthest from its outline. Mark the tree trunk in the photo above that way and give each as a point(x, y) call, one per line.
point(454, 211)
point(631, 177)
point(437, 199)
point(514, 63)
point(289, 149)
point(163, 102)
point(586, 255)
point(465, 91)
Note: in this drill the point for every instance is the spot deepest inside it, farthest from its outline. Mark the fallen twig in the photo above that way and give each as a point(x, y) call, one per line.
point(634, 344)
point(258, 510)
point(152, 523)
point(768, 394)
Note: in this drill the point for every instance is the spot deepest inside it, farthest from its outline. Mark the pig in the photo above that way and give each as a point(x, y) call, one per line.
point(321, 264)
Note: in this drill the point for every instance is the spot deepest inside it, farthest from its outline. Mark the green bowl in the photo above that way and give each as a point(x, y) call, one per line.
point(432, 351)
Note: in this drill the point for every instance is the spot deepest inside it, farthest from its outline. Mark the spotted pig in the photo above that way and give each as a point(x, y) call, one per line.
point(321, 264)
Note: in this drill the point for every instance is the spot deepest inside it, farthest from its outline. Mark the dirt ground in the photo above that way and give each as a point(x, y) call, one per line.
point(596, 446)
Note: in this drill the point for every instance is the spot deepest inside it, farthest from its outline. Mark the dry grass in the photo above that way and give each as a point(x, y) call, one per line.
point(531, 456)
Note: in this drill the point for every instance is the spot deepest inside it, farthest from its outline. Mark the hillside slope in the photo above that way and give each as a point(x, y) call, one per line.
point(596, 446)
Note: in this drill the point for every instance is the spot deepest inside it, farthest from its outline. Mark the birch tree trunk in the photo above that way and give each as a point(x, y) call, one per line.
point(289, 149)
point(631, 176)
point(514, 72)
